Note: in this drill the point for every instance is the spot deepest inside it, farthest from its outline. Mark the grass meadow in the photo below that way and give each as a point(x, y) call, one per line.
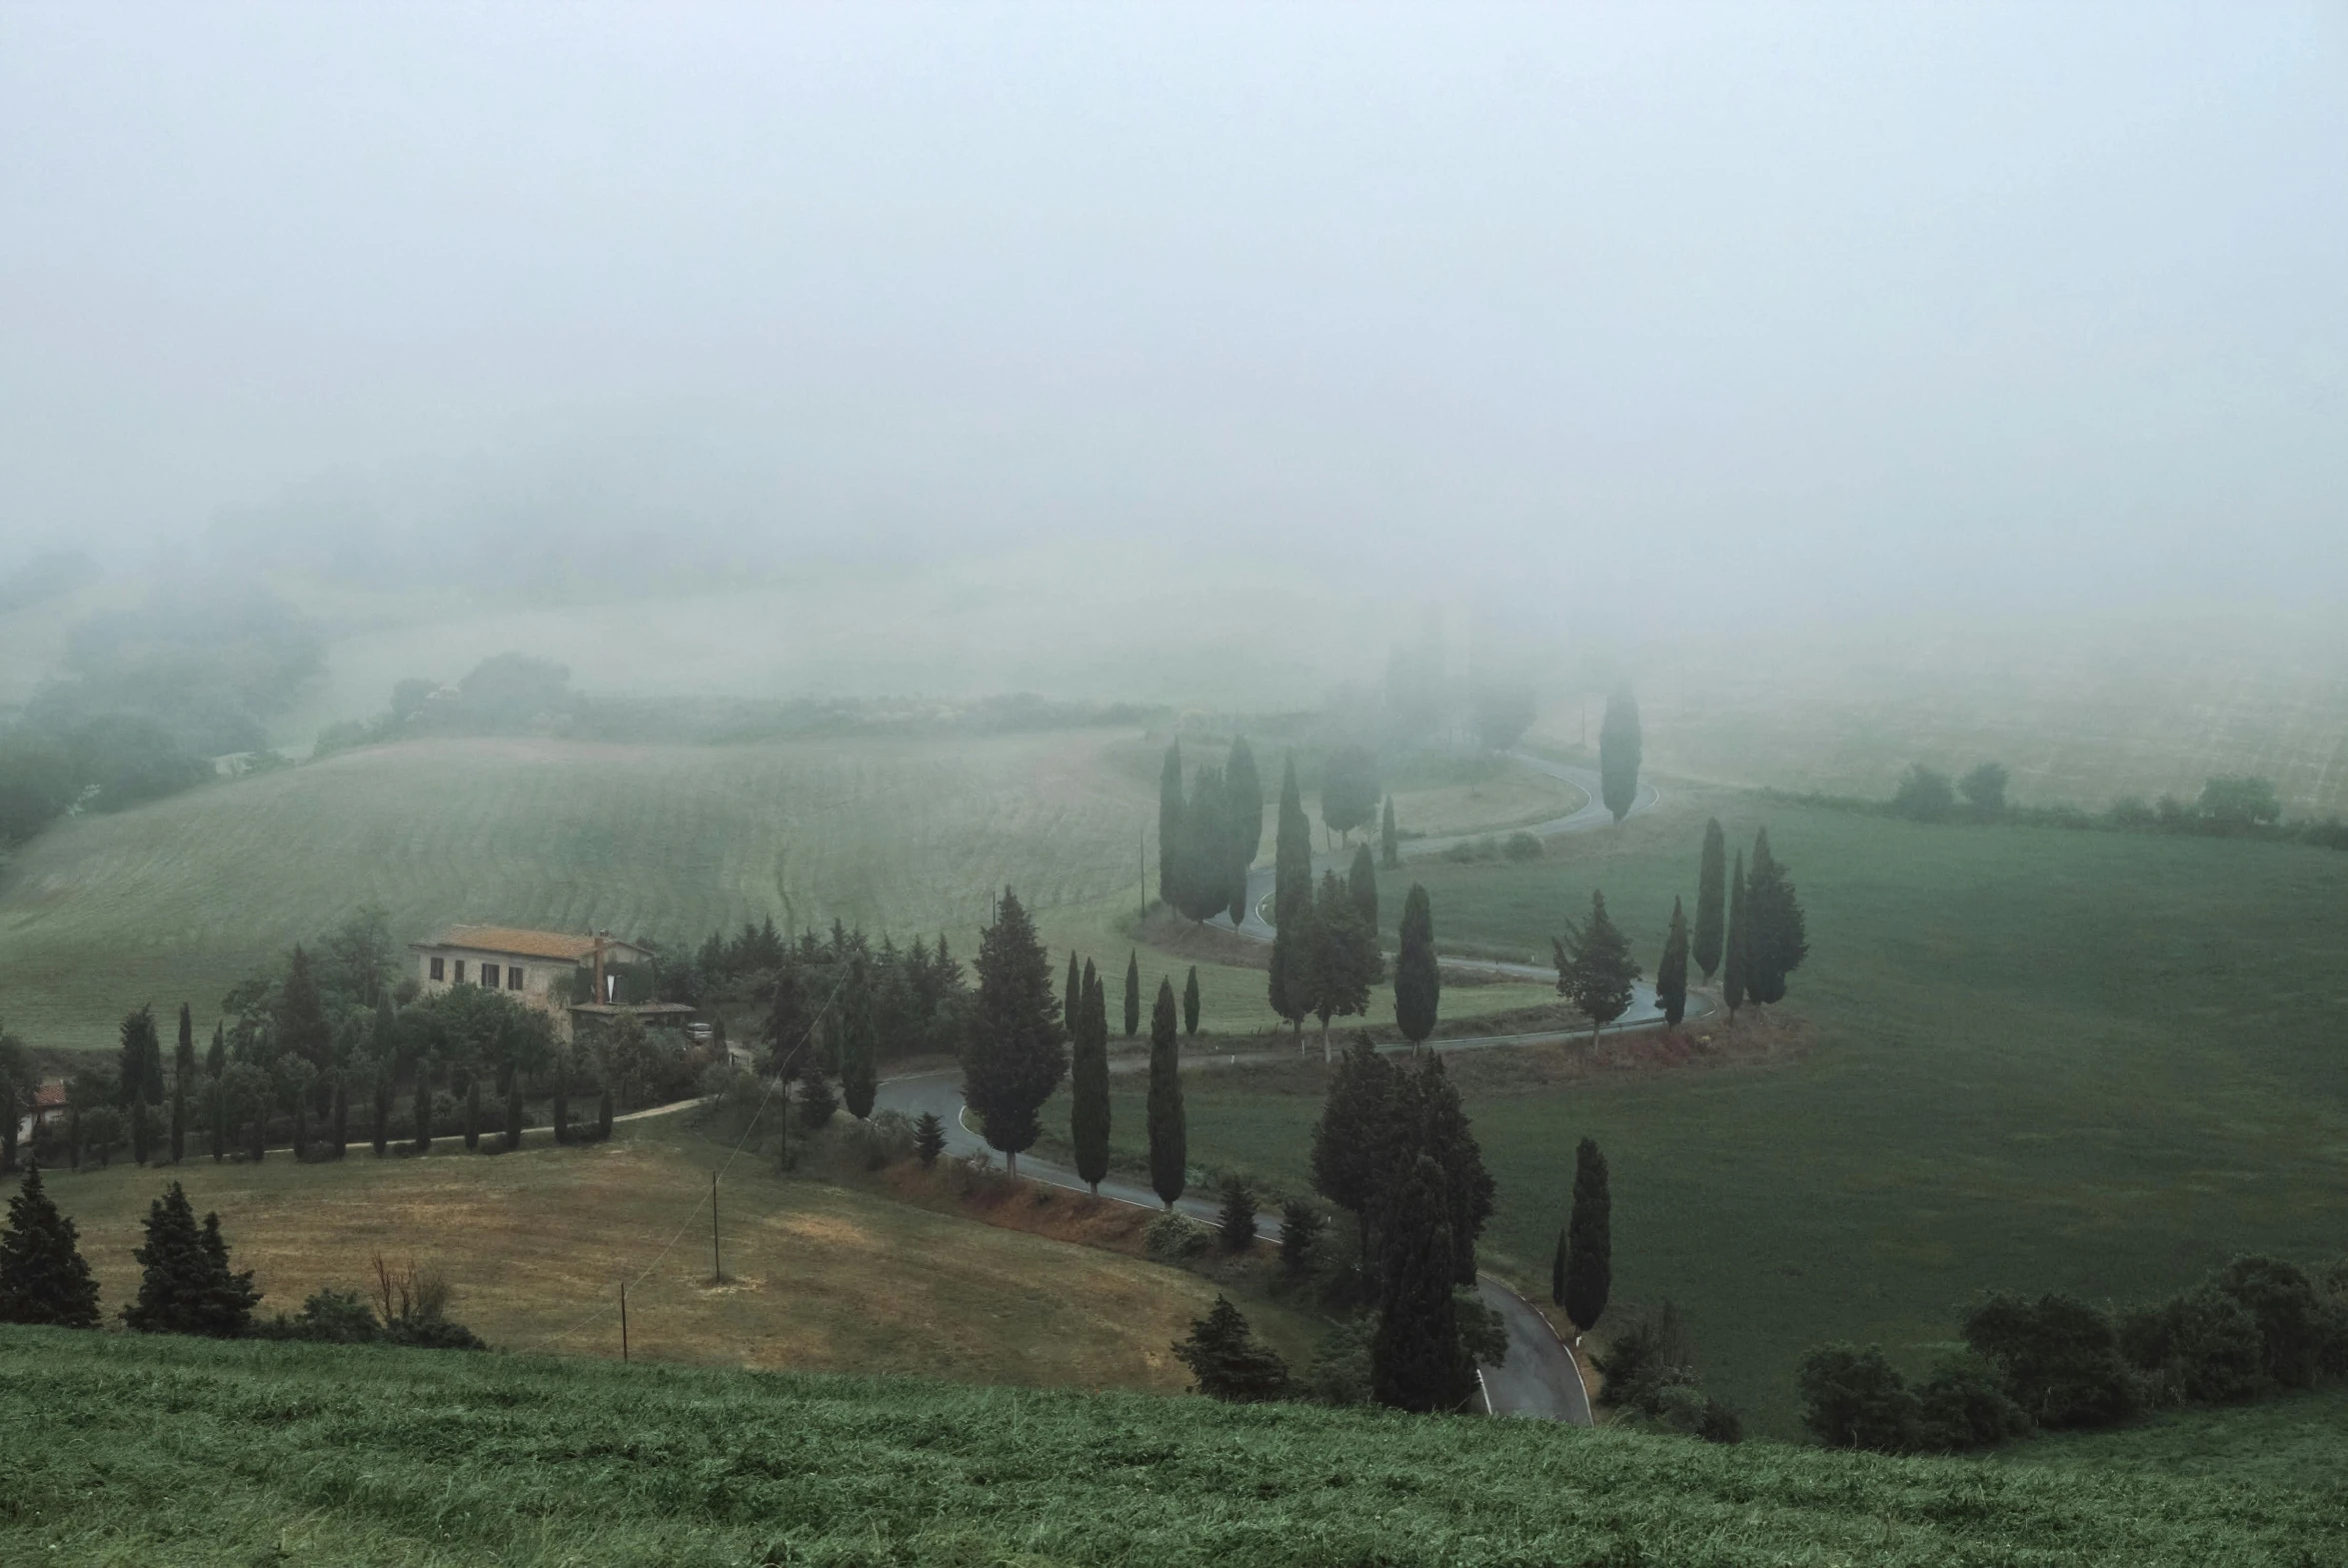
point(199, 1452)
point(820, 1277)
point(2017, 1057)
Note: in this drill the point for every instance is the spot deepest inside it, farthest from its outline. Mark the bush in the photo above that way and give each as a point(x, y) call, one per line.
point(2060, 1358)
point(2202, 1347)
point(2295, 1326)
point(1923, 794)
point(1340, 1370)
point(1523, 846)
point(1176, 1238)
point(1648, 1353)
point(1853, 1398)
point(1687, 1411)
point(1963, 1404)
point(1227, 1361)
point(333, 1317)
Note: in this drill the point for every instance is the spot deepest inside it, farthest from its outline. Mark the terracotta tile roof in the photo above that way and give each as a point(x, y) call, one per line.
point(50, 1095)
point(569, 945)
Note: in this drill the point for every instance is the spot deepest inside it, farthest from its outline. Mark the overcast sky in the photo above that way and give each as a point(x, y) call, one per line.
point(1903, 303)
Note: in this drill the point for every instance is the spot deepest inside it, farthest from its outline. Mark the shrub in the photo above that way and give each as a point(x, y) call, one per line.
point(1340, 1370)
point(2060, 1358)
point(1984, 788)
point(1853, 1398)
point(2132, 813)
point(1236, 1225)
point(2202, 1347)
point(817, 1103)
point(1687, 1411)
point(1644, 1355)
point(1227, 1361)
point(1963, 1404)
point(1300, 1227)
point(1923, 794)
point(2294, 1325)
point(1176, 1238)
point(334, 1317)
point(1523, 846)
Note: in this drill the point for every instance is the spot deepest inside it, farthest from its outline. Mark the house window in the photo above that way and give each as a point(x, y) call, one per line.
point(437, 965)
point(489, 976)
point(513, 976)
point(459, 971)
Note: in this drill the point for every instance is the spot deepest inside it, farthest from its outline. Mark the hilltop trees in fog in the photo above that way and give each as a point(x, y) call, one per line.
point(1619, 753)
point(1207, 836)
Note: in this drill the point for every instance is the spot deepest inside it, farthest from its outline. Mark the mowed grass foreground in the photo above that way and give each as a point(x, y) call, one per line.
point(819, 1276)
point(125, 1449)
point(2019, 1057)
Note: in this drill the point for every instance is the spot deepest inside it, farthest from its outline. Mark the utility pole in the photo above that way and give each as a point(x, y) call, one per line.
point(623, 1320)
point(716, 1264)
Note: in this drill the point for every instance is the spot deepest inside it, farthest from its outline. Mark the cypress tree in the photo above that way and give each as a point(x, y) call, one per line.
point(339, 1116)
point(1776, 938)
point(1416, 1359)
point(1301, 1226)
point(187, 1287)
point(1733, 961)
point(1595, 971)
point(43, 1277)
point(16, 1088)
point(1088, 1085)
point(1343, 957)
point(1171, 841)
point(1711, 898)
point(859, 1074)
point(216, 1073)
point(1190, 1002)
point(1557, 1272)
point(1234, 1223)
point(473, 1113)
point(1169, 1135)
point(1671, 971)
point(1204, 869)
point(1389, 842)
point(1352, 1142)
point(387, 1058)
point(514, 1114)
point(1618, 754)
point(1288, 986)
point(1291, 850)
point(1361, 884)
point(1590, 1248)
point(423, 1104)
point(1432, 1120)
point(1014, 1057)
point(1132, 992)
point(141, 1074)
point(1073, 998)
point(1418, 981)
point(183, 1077)
point(1242, 793)
point(301, 1013)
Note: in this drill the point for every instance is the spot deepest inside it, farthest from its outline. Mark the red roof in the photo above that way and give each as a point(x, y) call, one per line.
point(50, 1095)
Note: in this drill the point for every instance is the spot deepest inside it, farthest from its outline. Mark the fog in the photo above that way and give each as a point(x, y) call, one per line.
point(1645, 320)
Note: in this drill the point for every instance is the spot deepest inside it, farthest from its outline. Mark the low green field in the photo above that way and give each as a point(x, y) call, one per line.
point(2020, 1058)
point(2300, 1440)
point(125, 1449)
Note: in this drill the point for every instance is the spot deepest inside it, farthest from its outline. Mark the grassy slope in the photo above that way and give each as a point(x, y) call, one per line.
point(2297, 1440)
point(179, 898)
point(193, 1452)
point(2035, 1058)
point(820, 1277)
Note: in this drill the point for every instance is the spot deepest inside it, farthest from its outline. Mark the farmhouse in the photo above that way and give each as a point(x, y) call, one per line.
point(48, 1108)
point(569, 975)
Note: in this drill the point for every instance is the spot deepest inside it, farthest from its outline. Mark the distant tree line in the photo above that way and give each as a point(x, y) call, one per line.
point(2255, 1328)
point(2228, 807)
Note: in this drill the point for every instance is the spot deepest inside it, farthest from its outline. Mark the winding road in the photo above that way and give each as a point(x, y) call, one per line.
point(1539, 1378)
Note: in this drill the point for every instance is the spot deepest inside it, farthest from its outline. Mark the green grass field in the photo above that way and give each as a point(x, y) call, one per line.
point(2017, 1057)
point(176, 900)
point(125, 1449)
point(2297, 1440)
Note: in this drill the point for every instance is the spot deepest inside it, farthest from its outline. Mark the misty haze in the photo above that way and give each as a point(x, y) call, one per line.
point(949, 784)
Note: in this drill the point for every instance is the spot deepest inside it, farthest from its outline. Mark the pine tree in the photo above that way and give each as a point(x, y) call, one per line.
point(1291, 850)
point(1590, 1247)
point(513, 1113)
point(929, 1138)
point(1132, 992)
point(1234, 1223)
point(1618, 754)
point(1418, 981)
point(1014, 1057)
point(187, 1287)
point(859, 1074)
point(183, 1081)
point(1389, 842)
point(1595, 967)
point(1227, 1361)
point(423, 1105)
point(1169, 1150)
point(1190, 1002)
point(1776, 938)
point(1352, 1142)
point(1171, 838)
point(1089, 1085)
point(1344, 956)
point(1416, 1361)
point(1242, 793)
point(1711, 898)
point(1732, 960)
point(43, 1277)
point(1671, 971)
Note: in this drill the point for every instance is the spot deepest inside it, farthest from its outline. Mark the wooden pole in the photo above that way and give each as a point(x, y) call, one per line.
point(623, 1320)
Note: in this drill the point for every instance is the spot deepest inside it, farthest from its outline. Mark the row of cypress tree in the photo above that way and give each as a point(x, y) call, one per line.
point(1207, 836)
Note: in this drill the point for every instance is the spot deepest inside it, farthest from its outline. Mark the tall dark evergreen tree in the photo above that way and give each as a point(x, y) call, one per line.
point(1557, 1272)
point(1354, 1142)
point(17, 1088)
point(1291, 850)
point(1415, 1357)
point(1589, 1247)
point(1418, 981)
point(43, 1277)
point(300, 1014)
point(1361, 883)
point(513, 1114)
point(1073, 998)
point(386, 1041)
point(1169, 1145)
point(1234, 1221)
point(1190, 1002)
point(473, 1113)
point(338, 1131)
point(1733, 959)
point(1711, 922)
point(1230, 1363)
point(1776, 938)
point(1432, 1120)
point(1132, 992)
point(141, 1076)
point(1242, 793)
point(1344, 957)
point(1290, 986)
point(1089, 1085)
point(423, 1104)
point(1671, 971)
point(216, 1088)
point(1618, 754)
point(187, 1287)
point(183, 1083)
point(859, 1081)
point(1389, 842)
point(1595, 967)
point(1013, 1058)
point(1204, 857)
point(789, 1025)
point(1170, 836)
